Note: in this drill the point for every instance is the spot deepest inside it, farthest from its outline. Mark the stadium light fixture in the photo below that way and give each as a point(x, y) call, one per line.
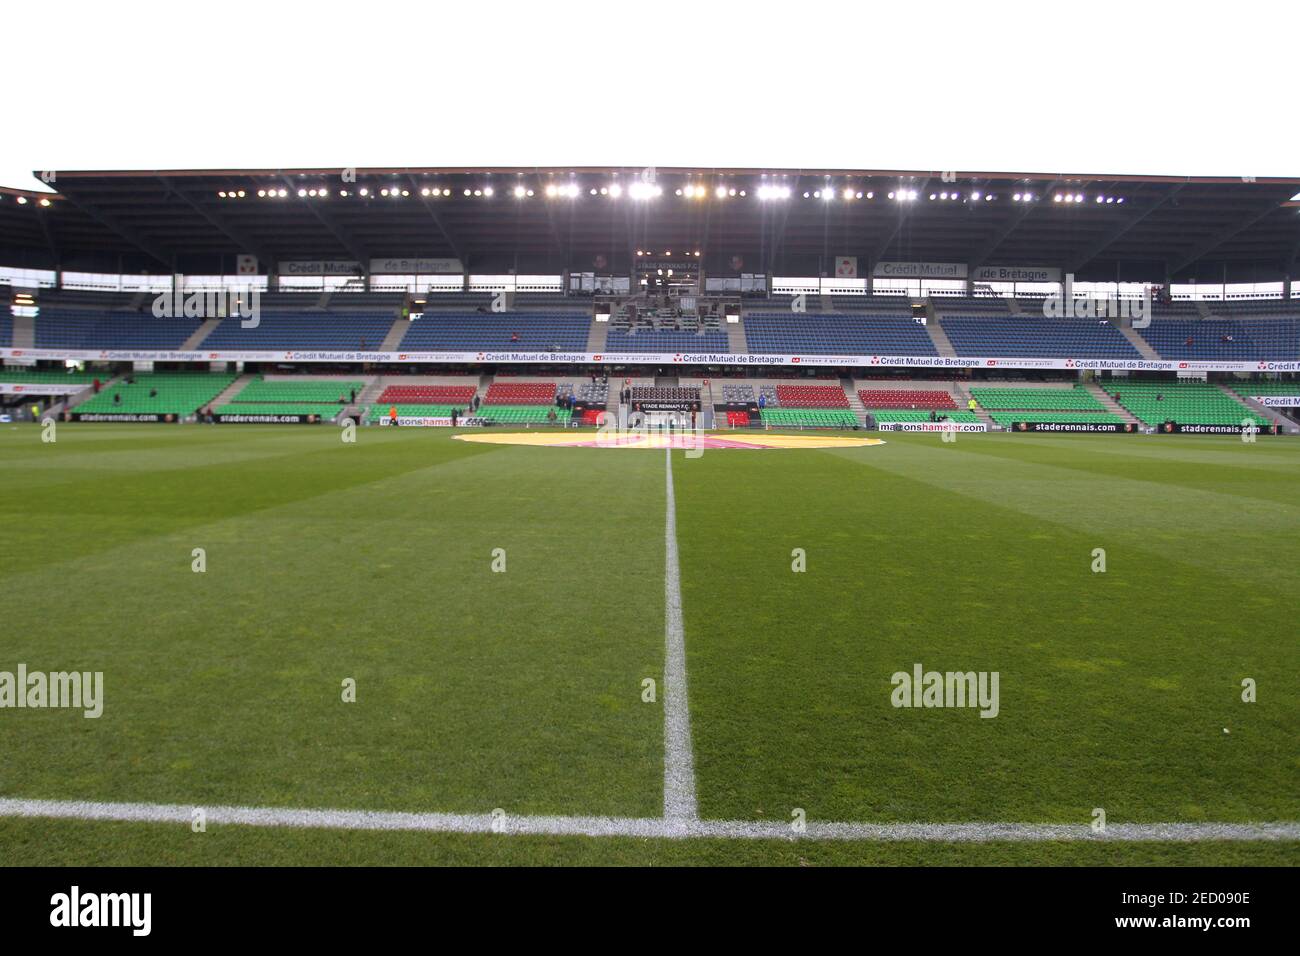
point(45, 202)
point(487, 191)
point(365, 191)
point(975, 195)
point(520, 192)
point(22, 200)
point(720, 192)
point(615, 190)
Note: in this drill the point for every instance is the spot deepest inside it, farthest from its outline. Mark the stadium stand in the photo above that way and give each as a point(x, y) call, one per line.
point(1227, 339)
point(810, 417)
point(905, 398)
point(299, 331)
point(523, 414)
point(178, 393)
point(1075, 399)
point(1018, 336)
point(920, 416)
point(17, 375)
point(811, 396)
point(500, 332)
point(1191, 403)
point(82, 329)
point(738, 394)
point(831, 334)
point(413, 410)
point(447, 396)
point(664, 393)
point(1265, 387)
point(520, 393)
point(6, 331)
point(288, 392)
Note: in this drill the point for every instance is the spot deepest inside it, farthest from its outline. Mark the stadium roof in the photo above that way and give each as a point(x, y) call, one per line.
point(1141, 228)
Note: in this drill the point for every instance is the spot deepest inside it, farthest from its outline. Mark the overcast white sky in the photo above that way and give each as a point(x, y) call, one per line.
point(1106, 87)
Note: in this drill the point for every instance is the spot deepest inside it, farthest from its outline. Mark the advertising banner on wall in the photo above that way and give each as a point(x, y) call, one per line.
point(1016, 274)
point(1113, 428)
point(756, 359)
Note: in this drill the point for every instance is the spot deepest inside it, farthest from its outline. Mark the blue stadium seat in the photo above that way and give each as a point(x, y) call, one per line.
point(827, 334)
point(86, 329)
point(1032, 336)
point(472, 332)
point(331, 332)
point(1225, 339)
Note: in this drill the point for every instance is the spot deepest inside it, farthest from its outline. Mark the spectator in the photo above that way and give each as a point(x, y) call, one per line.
point(392, 414)
point(514, 336)
point(117, 398)
point(96, 384)
point(352, 396)
point(153, 393)
point(342, 399)
point(970, 405)
point(550, 416)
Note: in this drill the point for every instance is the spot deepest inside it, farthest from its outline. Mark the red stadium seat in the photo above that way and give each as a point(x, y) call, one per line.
point(926, 398)
point(811, 396)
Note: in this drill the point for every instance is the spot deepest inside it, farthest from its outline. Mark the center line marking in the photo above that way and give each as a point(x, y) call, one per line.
point(679, 762)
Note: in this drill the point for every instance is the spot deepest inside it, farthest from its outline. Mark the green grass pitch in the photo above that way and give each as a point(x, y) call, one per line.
point(523, 690)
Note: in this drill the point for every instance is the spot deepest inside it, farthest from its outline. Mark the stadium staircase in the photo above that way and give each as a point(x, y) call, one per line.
point(736, 343)
point(231, 390)
point(394, 337)
point(855, 403)
point(961, 395)
point(1112, 406)
point(75, 399)
point(24, 332)
point(1142, 345)
point(937, 335)
point(1261, 410)
point(598, 336)
point(201, 333)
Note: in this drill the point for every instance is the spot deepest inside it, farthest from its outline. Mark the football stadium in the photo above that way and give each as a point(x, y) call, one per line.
point(649, 515)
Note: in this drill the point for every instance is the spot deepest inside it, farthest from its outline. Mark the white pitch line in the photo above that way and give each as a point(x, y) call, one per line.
point(646, 827)
point(679, 762)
